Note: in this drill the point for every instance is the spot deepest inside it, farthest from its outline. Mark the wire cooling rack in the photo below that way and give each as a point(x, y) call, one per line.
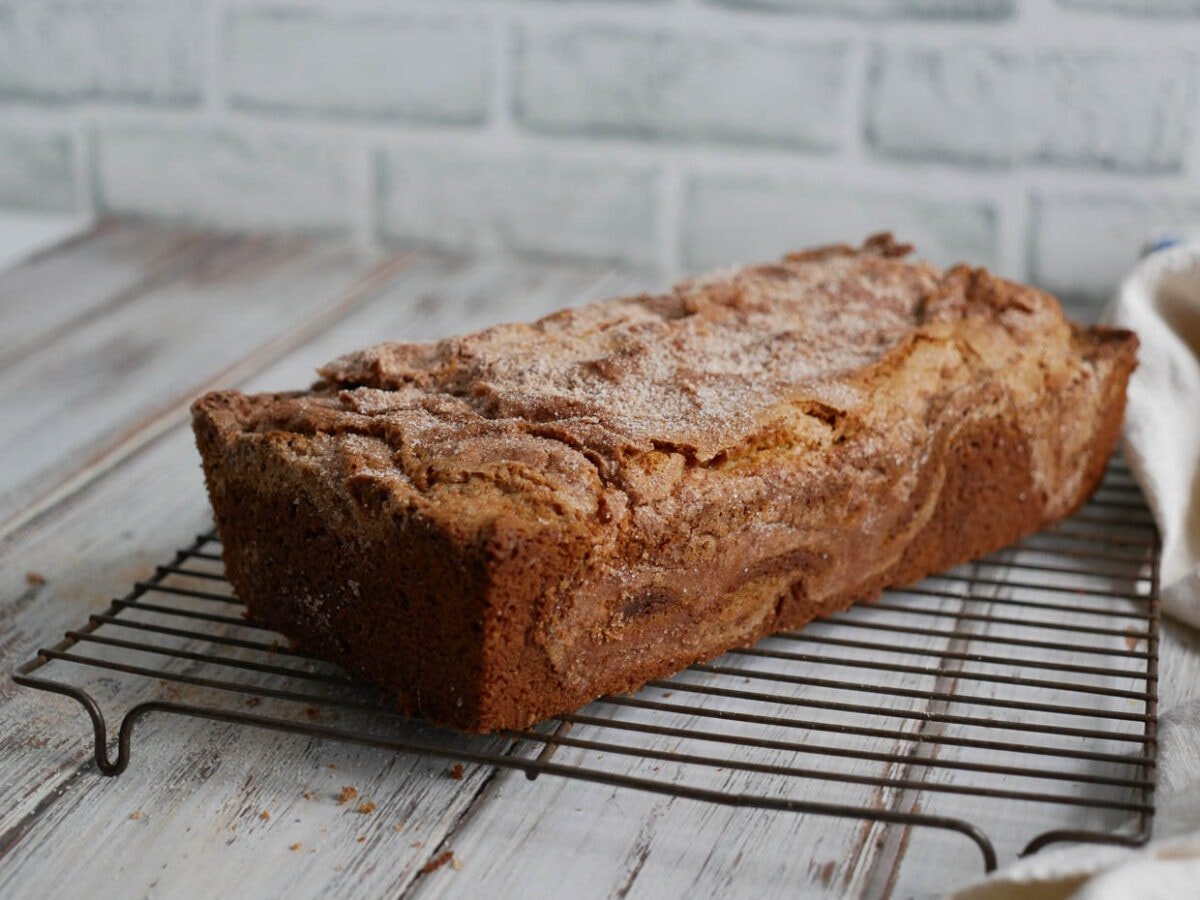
point(1012, 700)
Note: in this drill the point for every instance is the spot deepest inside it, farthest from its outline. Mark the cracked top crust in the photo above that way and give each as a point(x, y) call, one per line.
point(692, 370)
point(594, 411)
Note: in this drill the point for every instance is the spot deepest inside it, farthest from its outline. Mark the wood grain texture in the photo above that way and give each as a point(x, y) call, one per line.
point(150, 318)
point(87, 391)
point(52, 293)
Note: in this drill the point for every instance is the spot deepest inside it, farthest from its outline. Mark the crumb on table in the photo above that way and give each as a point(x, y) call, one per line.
point(437, 862)
point(264, 815)
point(312, 712)
point(362, 838)
point(456, 771)
point(348, 793)
point(35, 578)
point(309, 795)
point(253, 701)
point(365, 808)
point(294, 847)
point(137, 814)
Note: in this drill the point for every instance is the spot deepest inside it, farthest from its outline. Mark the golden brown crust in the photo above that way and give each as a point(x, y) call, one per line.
point(502, 526)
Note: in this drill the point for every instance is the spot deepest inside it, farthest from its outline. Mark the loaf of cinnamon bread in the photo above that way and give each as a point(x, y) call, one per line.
point(503, 526)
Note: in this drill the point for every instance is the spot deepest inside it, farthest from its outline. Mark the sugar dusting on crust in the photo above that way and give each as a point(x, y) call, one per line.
point(835, 345)
point(692, 369)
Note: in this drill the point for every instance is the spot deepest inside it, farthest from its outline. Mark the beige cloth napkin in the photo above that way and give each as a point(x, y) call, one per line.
point(1160, 300)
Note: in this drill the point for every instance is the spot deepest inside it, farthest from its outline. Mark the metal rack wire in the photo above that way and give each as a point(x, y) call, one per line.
point(1008, 694)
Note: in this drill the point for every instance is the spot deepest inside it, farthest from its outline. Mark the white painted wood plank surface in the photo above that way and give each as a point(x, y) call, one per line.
point(50, 293)
point(25, 233)
point(199, 789)
point(82, 390)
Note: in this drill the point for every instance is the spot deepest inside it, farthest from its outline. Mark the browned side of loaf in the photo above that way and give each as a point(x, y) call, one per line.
point(442, 618)
point(986, 503)
point(417, 630)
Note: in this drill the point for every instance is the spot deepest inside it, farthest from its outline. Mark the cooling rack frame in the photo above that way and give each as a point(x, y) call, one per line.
point(1101, 533)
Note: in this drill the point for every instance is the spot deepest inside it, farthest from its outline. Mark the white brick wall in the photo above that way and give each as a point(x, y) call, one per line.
point(602, 80)
point(954, 105)
point(748, 217)
point(1157, 8)
point(883, 9)
point(1041, 137)
point(359, 65)
point(140, 51)
point(1112, 108)
point(1105, 108)
point(223, 178)
point(36, 169)
point(1080, 241)
point(518, 201)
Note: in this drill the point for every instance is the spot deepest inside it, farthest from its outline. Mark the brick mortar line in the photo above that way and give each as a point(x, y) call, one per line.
point(1045, 17)
point(1011, 229)
point(504, 45)
point(364, 198)
point(854, 115)
point(213, 92)
point(670, 223)
point(83, 182)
